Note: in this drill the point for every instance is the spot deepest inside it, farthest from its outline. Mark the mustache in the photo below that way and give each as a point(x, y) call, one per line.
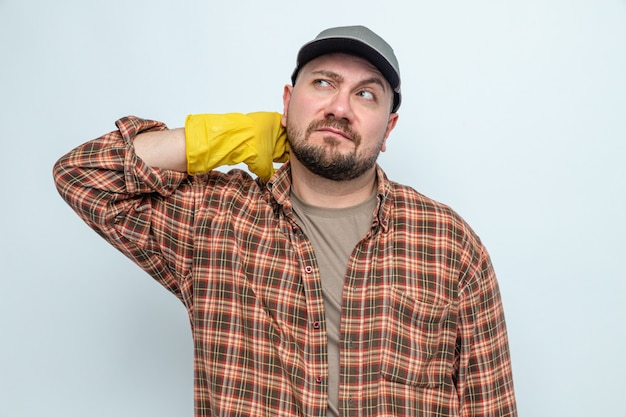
point(338, 124)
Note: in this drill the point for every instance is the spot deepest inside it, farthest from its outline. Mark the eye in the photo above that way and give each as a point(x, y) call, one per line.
point(366, 94)
point(321, 83)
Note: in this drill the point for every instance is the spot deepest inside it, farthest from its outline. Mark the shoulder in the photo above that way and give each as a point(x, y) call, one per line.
point(425, 215)
point(228, 184)
point(404, 200)
point(438, 229)
point(411, 202)
point(230, 191)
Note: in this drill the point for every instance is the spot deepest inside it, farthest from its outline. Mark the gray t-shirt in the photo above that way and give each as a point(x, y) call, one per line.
point(334, 234)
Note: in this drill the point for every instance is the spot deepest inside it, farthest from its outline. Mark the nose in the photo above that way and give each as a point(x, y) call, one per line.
point(340, 106)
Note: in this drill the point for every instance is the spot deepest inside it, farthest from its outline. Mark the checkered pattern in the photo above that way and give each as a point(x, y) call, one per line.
point(422, 327)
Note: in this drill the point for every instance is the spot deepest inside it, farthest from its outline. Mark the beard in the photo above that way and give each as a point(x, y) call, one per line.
point(326, 160)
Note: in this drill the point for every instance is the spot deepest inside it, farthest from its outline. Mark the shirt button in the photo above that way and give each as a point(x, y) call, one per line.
point(319, 379)
point(308, 269)
point(316, 325)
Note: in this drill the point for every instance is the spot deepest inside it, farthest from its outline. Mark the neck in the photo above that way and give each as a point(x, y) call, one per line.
point(322, 192)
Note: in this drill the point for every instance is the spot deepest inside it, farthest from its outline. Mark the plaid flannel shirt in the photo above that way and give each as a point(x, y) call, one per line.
point(422, 326)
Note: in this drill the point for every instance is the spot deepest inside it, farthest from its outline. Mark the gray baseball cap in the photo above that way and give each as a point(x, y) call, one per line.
point(360, 41)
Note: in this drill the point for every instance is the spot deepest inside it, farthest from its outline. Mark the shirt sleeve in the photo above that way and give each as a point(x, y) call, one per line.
point(485, 382)
point(131, 204)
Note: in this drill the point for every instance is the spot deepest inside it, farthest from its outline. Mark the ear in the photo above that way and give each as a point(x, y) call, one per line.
point(391, 123)
point(286, 99)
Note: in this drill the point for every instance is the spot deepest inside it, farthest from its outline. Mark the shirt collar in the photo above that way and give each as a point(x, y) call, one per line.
point(280, 187)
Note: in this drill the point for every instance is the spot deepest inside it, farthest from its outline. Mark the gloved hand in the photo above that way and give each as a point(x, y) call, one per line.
point(257, 139)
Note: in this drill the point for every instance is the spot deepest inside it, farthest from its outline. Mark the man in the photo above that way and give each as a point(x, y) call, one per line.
point(320, 289)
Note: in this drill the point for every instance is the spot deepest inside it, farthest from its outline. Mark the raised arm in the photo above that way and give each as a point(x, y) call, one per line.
point(127, 202)
point(163, 149)
point(212, 140)
point(256, 139)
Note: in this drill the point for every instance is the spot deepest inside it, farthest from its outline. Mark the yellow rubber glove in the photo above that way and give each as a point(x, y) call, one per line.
point(257, 139)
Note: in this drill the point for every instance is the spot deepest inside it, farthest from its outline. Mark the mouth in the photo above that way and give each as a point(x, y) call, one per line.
point(329, 131)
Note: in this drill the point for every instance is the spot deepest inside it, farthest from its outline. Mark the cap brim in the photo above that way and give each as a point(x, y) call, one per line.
point(321, 47)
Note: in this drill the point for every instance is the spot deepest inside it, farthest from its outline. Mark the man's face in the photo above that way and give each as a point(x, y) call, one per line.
point(337, 116)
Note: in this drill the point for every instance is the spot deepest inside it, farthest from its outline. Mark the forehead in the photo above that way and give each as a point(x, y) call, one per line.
point(344, 65)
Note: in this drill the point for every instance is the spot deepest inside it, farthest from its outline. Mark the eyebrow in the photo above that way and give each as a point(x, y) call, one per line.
point(338, 78)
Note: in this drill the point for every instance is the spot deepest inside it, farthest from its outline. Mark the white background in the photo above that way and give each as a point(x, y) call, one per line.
point(514, 114)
